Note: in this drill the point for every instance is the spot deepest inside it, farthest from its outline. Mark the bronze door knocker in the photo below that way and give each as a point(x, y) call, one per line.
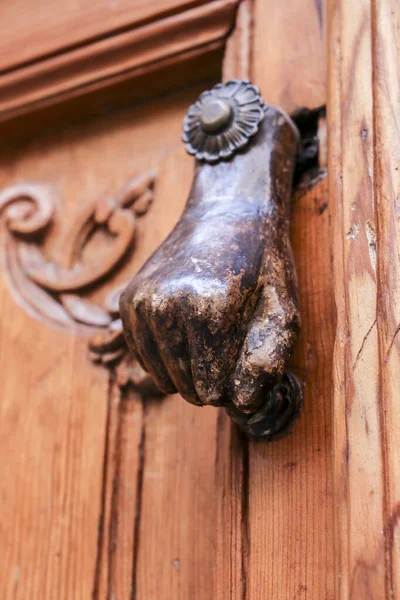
point(214, 313)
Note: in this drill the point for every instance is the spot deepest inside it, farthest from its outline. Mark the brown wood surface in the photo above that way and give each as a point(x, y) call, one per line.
point(386, 90)
point(112, 58)
point(364, 157)
point(31, 31)
point(288, 57)
point(184, 506)
point(107, 494)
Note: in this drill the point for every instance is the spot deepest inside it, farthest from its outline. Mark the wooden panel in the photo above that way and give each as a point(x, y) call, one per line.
point(27, 29)
point(288, 55)
point(123, 468)
point(177, 522)
point(124, 55)
point(75, 455)
point(231, 526)
point(364, 156)
point(53, 412)
point(274, 527)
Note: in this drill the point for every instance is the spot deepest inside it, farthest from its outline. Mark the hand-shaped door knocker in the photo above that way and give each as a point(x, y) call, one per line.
point(214, 313)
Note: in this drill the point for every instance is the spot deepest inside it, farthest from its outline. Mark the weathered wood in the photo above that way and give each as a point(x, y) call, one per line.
point(231, 518)
point(277, 541)
point(178, 510)
point(364, 154)
point(386, 90)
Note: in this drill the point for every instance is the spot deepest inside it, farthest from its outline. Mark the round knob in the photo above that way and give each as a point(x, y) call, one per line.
point(216, 116)
point(223, 120)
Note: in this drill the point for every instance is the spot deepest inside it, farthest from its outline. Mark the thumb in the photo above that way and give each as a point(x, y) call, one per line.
point(266, 349)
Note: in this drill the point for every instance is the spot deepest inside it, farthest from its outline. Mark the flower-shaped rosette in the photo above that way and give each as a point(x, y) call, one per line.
point(223, 120)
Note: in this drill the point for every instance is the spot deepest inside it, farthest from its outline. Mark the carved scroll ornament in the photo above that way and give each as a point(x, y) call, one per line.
point(59, 294)
point(214, 313)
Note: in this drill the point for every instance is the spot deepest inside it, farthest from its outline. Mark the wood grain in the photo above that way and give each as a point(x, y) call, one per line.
point(28, 30)
point(231, 519)
point(53, 415)
point(386, 90)
point(175, 555)
point(126, 54)
point(123, 471)
point(364, 154)
point(289, 56)
point(357, 456)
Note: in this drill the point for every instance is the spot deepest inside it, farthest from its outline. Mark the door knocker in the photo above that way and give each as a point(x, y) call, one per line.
point(214, 313)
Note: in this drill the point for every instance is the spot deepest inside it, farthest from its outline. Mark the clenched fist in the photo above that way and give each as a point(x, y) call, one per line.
point(214, 312)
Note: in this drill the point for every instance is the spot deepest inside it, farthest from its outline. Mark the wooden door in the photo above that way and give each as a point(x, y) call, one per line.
point(107, 489)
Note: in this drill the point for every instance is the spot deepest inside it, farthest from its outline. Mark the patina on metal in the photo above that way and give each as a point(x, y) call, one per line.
point(214, 312)
point(223, 120)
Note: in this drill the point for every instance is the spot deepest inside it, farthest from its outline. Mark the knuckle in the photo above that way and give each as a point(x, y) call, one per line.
point(208, 394)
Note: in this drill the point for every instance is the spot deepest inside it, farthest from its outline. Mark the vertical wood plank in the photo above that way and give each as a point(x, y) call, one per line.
point(386, 96)
point(52, 414)
point(177, 520)
point(363, 88)
point(231, 526)
point(127, 490)
point(121, 496)
point(288, 54)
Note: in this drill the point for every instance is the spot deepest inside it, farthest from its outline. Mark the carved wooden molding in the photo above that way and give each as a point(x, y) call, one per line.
point(78, 24)
point(120, 55)
point(59, 294)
